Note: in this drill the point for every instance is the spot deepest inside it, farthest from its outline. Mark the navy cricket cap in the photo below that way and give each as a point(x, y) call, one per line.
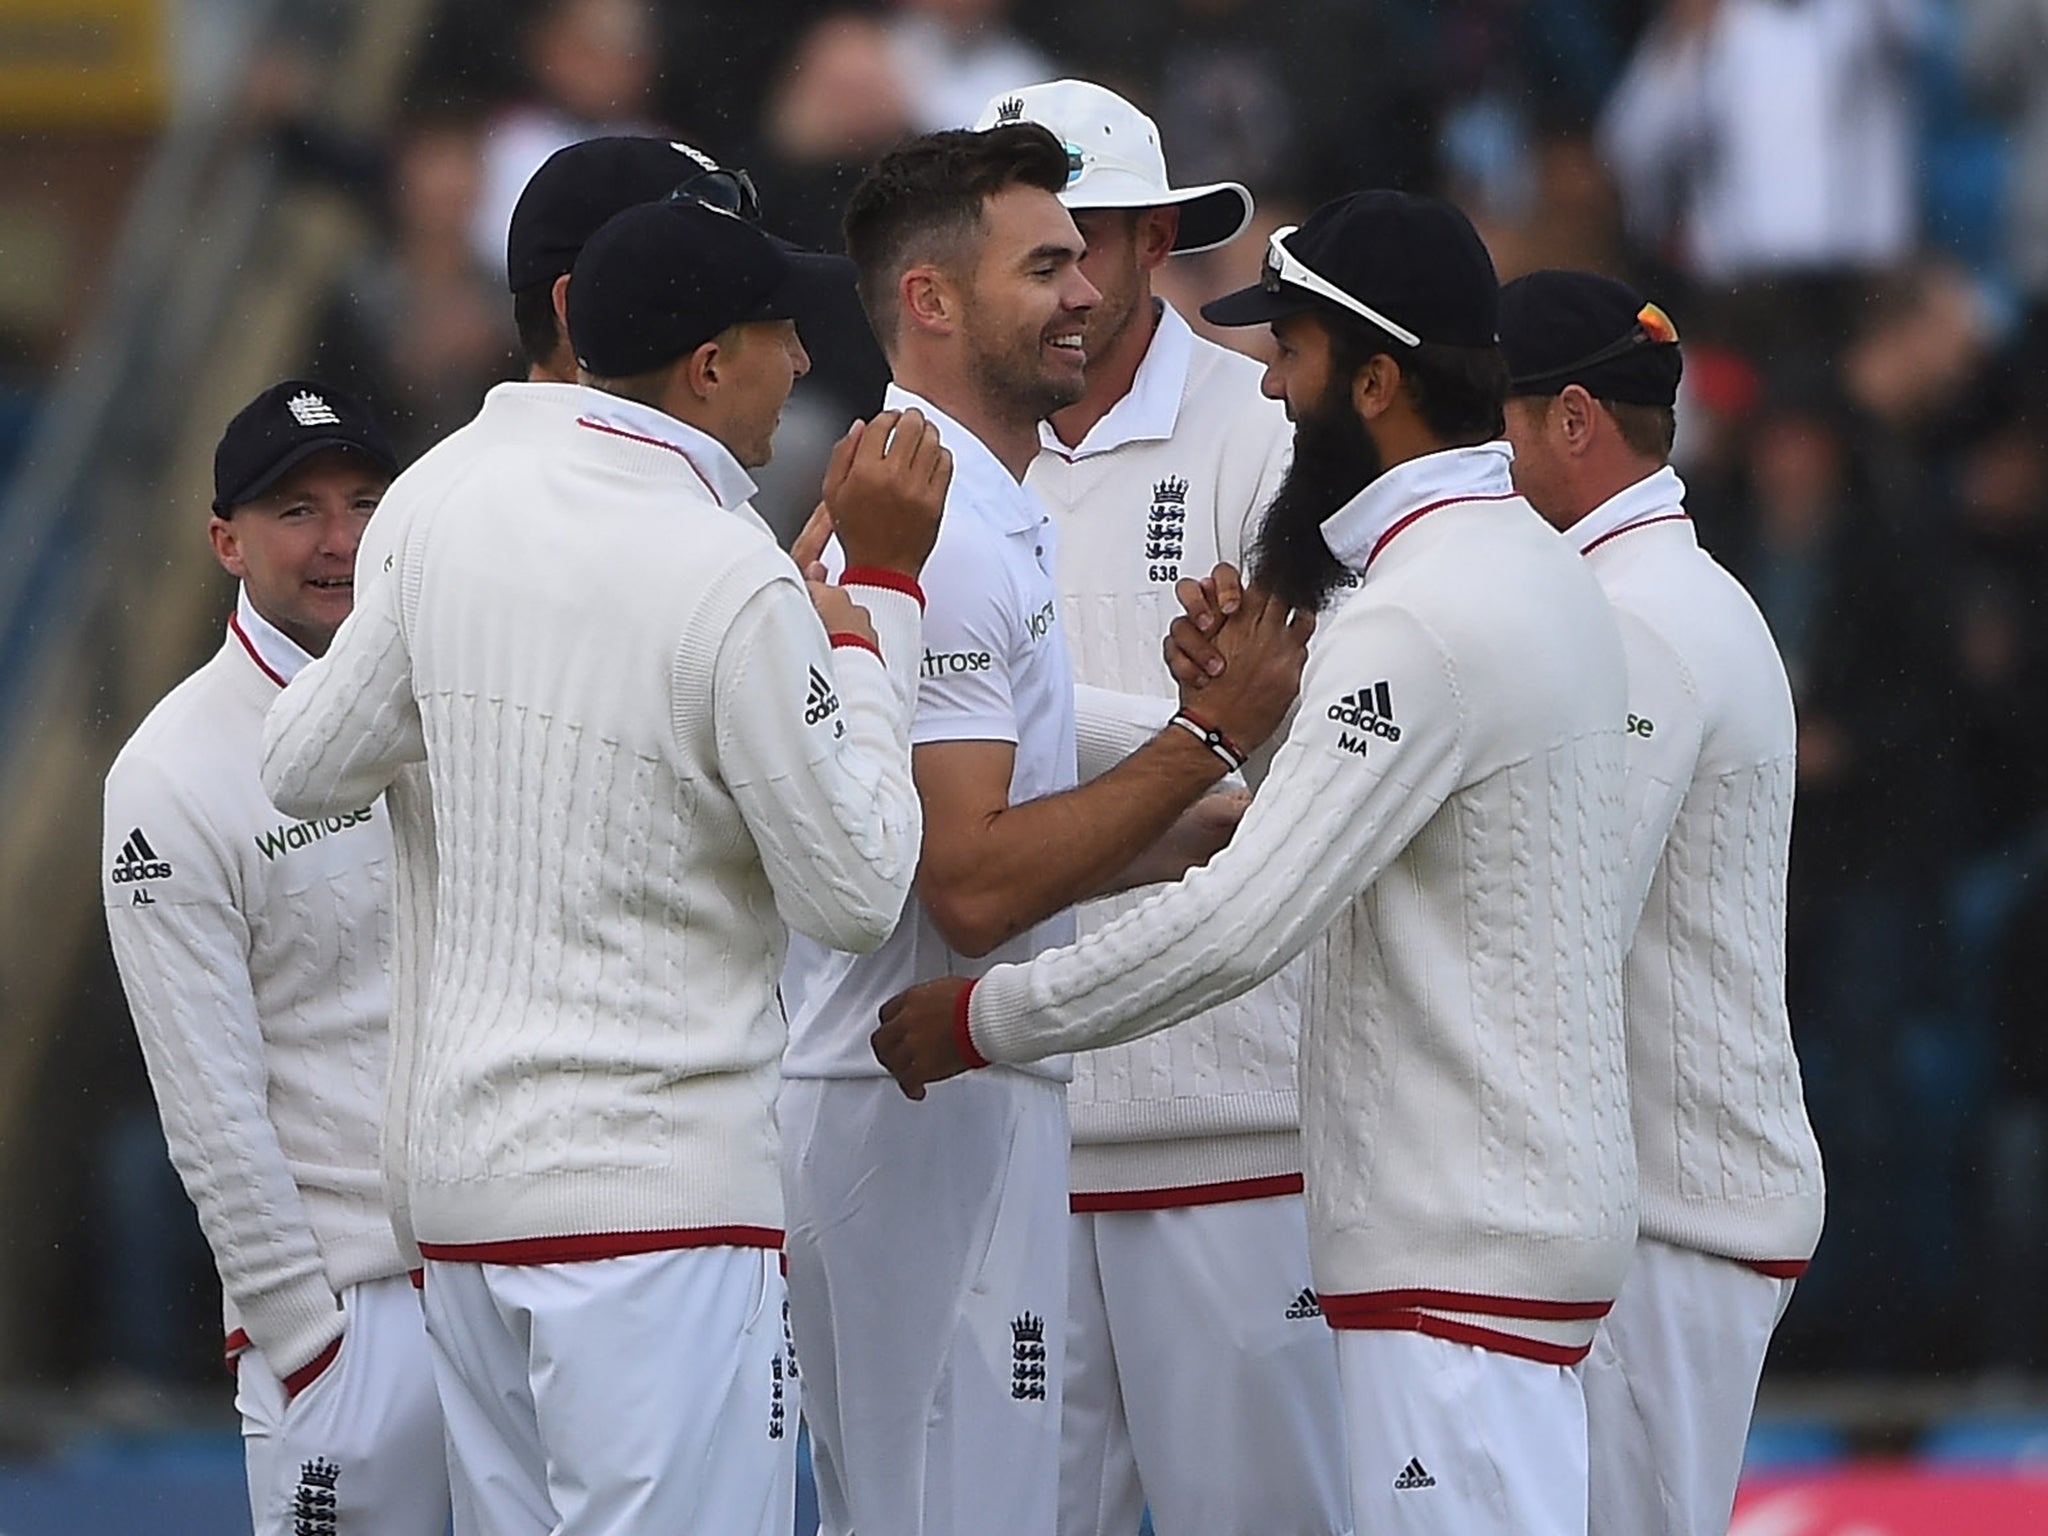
point(579, 187)
point(1413, 266)
point(1559, 328)
point(660, 280)
point(283, 427)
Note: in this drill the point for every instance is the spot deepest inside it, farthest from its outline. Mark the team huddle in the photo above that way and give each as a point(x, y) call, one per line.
point(1208, 939)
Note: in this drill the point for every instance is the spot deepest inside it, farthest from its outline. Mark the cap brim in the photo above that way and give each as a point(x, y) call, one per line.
point(1255, 306)
point(815, 281)
point(292, 459)
point(1210, 216)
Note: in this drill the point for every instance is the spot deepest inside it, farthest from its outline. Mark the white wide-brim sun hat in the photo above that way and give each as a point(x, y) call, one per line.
point(1114, 159)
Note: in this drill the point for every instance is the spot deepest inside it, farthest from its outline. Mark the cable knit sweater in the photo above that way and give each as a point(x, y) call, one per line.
point(1170, 481)
point(1728, 1160)
point(252, 948)
point(1443, 832)
point(644, 760)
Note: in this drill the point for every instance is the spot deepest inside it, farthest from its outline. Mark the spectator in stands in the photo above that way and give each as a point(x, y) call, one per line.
point(2005, 51)
point(591, 67)
point(419, 324)
point(952, 55)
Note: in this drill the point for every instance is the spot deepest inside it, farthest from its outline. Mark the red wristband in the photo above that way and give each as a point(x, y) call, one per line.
point(840, 637)
point(1210, 737)
point(963, 1036)
point(875, 576)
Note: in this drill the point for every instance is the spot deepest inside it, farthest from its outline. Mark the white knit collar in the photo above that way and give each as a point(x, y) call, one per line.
point(1356, 531)
point(1150, 408)
point(730, 485)
point(976, 469)
point(275, 653)
point(1656, 498)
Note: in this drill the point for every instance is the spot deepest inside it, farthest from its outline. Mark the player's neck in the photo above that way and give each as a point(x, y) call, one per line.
point(1111, 376)
point(1013, 442)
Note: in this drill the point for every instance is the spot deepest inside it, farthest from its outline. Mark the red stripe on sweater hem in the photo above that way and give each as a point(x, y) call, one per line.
point(237, 1342)
point(583, 1247)
point(963, 1032)
point(1401, 524)
point(841, 639)
point(1187, 1194)
point(312, 1370)
point(1365, 1303)
point(418, 1277)
point(1777, 1269)
point(1466, 1333)
point(241, 634)
point(875, 576)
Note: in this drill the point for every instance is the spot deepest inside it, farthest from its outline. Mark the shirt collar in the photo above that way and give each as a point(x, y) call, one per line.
point(730, 485)
point(275, 653)
point(1356, 531)
point(976, 470)
point(1151, 407)
point(1657, 498)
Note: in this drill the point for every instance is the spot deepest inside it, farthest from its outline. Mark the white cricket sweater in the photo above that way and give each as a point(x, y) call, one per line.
point(252, 947)
point(645, 759)
point(1727, 1157)
point(1443, 831)
point(1169, 482)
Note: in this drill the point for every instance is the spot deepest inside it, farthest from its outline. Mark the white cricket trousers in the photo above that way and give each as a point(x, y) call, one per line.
point(649, 1395)
point(1200, 1376)
point(359, 1451)
point(928, 1293)
point(1670, 1386)
point(1454, 1440)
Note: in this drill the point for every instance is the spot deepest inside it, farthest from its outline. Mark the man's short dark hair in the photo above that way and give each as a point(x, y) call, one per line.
point(922, 202)
point(1649, 430)
point(533, 313)
point(1459, 392)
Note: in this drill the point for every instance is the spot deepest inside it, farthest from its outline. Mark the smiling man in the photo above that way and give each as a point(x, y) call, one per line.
point(927, 1245)
point(252, 949)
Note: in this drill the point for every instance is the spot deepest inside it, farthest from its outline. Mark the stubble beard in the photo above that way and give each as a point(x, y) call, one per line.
point(1334, 459)
point(1012, 377)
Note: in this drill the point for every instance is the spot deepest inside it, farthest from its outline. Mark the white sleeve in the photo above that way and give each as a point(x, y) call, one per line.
point(814, 742)
point(336, 738)
point(1340, 804)
point(183, 956)
point(1666, 729)
point(970, 638)
point(1110, 726)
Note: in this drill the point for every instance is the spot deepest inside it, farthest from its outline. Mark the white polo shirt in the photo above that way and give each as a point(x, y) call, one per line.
point(995, 669)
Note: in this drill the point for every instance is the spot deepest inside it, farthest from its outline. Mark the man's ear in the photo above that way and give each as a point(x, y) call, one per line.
point(227, 546)
point(1158, 228)
point(1375, 386)
point(1576, 415)
point(703, 370)
point(927, 301)
point(560, 294)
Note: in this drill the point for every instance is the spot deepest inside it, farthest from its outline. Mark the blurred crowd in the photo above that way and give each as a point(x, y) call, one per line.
point(1843, 204)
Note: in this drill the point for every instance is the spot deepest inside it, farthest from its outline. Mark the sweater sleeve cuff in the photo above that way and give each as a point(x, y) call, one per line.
point(842, 640)
point(998, 1023)
point(963, 1032)
point(292, 1325)
point(875, 576)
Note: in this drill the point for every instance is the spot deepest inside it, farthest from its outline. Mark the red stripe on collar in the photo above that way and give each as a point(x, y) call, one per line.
point(235, 625)
point(652, 442)
point(1615, 533)
point(1421, 512)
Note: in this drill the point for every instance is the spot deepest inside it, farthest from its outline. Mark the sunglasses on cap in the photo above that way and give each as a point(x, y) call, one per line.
point(729, 191)
point(1653, 328)
point(1283, 267)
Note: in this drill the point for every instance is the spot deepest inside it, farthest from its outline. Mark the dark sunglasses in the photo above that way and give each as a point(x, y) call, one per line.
point(729, 191)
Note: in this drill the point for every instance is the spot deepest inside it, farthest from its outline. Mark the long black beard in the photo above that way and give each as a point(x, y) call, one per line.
point(1334, 459)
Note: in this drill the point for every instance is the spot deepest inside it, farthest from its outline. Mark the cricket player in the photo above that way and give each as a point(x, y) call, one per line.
point(1731, 1175)
point(1188, 1221)
point(252, 947)
point(647, 755)
point(1442, 830)
point(927, 1249)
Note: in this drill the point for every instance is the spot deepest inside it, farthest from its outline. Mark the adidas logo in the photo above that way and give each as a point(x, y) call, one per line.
point(821, 702)
point(1414, 1475)
point(1307, 1304)
point(137, 861)
point(309, 410)
point(1369, 709)
point(1011, 110)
